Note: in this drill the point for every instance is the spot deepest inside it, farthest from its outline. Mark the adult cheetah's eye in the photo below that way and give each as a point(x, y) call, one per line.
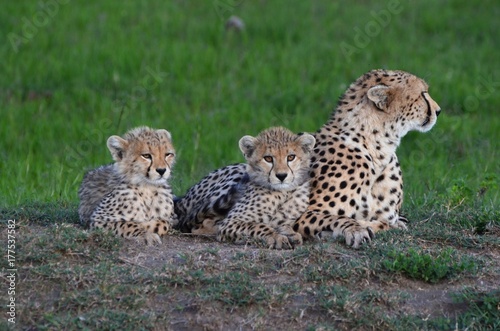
point(290, 157)
point(147, 156)
point(169, 154)
point(268, 159)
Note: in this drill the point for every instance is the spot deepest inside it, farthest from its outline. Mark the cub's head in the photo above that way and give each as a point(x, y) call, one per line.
point(395, 98)
point(277, 158)
point(143, 155)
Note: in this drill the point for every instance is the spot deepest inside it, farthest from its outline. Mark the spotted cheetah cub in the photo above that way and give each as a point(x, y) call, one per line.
point(261, 199)
point(131, 197)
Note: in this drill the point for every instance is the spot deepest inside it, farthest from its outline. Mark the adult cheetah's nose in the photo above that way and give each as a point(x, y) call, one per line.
point(281, 177)
point(161, 171)
point(438, 112)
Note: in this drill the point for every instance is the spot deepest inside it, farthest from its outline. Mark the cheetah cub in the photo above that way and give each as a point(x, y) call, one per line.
point(258, 200)
point(132, 197)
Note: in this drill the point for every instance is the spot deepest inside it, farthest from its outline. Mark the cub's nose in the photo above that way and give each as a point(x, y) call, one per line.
point(281, 177)
point(161, 171)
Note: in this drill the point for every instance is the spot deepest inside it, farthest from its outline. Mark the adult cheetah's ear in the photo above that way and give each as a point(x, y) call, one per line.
point(380, 95)
point(307, 142)
point(117, 146)
point(247, 145)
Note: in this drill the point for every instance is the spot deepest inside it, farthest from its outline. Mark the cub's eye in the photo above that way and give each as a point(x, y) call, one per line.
point(290, 157)
point(169, 155)
point(147, 156)
point(268, 159)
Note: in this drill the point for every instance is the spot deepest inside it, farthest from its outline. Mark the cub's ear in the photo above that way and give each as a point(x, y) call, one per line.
point(307, 142)
point(165, 133)
point(247, 145)
point(117, 146)
point(380, 95)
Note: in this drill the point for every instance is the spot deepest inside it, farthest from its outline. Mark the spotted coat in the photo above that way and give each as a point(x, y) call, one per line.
point(356, 180)
point(132, 196)
point(259, 200)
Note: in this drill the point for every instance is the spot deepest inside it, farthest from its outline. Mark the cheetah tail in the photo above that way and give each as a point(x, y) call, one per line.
point(219, 208)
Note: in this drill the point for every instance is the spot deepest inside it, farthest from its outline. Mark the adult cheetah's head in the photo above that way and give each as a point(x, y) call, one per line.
point(396, 99)
point(143, 155)
point(277, 158)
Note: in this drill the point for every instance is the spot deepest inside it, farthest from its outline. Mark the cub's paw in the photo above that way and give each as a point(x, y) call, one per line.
point(356, 235)
point(278, 241)
point(295, 239)
point(208, 227)
point(151, 238)
point(160, 227)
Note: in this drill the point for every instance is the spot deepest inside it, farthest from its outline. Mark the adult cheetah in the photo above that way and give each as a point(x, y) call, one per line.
point(356, 182)
point(132, 197)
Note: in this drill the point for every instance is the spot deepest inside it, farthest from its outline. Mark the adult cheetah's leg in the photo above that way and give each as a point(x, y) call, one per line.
point(387, 194)
point(240, 231)
point(312, 223)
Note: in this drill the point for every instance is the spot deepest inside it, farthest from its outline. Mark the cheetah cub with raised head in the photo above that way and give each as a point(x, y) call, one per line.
point(258, 200)
point(132, 197)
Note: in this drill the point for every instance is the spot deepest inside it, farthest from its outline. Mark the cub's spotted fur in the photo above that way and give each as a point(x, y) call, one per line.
point(132, 197)
point(261, 199)
point(356, 182)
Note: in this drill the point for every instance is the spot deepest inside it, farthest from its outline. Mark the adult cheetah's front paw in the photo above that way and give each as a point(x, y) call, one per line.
point(400, 223)
point(355, 236)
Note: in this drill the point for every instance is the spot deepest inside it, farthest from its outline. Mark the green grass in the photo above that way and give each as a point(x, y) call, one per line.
point(427, 267)
point(88, 73)
point(80, 279)
point(94, 69)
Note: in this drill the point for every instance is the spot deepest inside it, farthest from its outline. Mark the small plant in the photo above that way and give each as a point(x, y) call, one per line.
point(484, 220)
point(106, 240)
point(458, 194)
point(332, 298)
point(490, 182)
point(234, 289)
point(426, 267)
point(462, 194)
point(483, 312)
